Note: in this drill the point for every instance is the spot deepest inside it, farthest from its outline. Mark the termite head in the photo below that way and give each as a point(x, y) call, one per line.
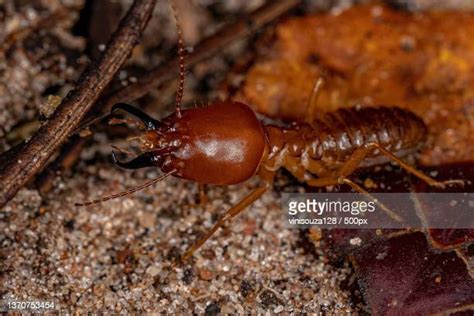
point(219, 144)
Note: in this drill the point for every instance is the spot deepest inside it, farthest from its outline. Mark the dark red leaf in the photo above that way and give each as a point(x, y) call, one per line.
point(404, 276)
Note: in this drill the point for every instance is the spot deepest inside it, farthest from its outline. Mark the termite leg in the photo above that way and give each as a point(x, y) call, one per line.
point(295, 168)
point(150, 123)
point(201, 199)
point(359, 189)
point(361, 153)
point(340, 176)
point(202, 194)
point(229, 215)
point(339, 179)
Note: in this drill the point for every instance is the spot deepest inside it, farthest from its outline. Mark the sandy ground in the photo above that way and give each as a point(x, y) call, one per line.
point(117, 256)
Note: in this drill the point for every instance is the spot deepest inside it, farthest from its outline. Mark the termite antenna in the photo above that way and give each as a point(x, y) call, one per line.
point(124, 193)
point(179, 92)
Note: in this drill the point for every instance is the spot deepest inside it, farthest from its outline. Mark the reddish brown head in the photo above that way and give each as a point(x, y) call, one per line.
point(220, 144)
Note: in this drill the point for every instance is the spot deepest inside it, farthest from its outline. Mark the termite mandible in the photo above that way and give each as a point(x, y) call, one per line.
point(225, 143)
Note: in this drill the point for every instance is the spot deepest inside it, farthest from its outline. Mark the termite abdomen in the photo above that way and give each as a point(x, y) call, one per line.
point(395, 129)
point(334, 136)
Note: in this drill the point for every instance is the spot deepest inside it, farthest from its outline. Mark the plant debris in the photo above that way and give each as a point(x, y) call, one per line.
point(373, 55)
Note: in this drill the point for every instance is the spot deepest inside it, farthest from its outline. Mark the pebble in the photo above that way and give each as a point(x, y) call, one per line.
point(153, 270)
point(205, 274)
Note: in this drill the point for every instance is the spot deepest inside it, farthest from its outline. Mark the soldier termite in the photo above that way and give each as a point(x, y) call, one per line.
point(224, 143)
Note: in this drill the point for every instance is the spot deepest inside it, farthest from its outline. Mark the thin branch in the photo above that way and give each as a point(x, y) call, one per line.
point(31, 157)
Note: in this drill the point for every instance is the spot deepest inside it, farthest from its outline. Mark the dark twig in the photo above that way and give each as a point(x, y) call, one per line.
point(34, 154)
point(161, 74)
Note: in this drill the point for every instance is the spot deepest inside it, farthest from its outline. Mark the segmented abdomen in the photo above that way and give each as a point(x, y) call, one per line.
point(334, 136)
